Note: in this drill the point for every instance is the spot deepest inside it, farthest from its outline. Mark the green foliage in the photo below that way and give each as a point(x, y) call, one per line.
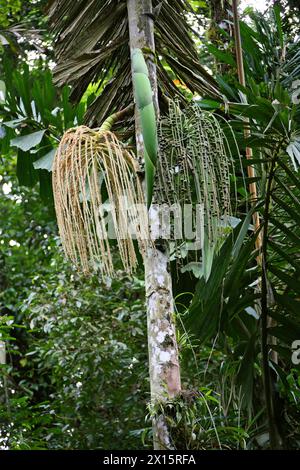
point(197, 422)
point(76, 372)
point(22, 29)
point(76, 375)
point(222, 300)
point(272, 113)
point(90, 359)
point(9, 8)
point(76, 350)
point(34, 117)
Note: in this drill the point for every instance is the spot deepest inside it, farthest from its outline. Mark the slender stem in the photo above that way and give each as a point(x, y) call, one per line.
point(242, 80)
point(118, 116)
point(269, 395)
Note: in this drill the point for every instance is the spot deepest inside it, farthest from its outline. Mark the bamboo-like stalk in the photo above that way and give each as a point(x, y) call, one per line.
point(249, 154)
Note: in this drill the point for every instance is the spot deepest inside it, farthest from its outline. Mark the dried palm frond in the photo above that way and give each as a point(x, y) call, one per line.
point(195, 167)
point(87, 163)
point(91, 46)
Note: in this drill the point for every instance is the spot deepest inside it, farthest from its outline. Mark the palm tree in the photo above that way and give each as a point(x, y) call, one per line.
point(107, 37)
point(93, 45)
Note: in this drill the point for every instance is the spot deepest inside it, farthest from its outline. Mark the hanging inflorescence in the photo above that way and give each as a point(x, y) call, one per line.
point(92, 168)
point(195, 166)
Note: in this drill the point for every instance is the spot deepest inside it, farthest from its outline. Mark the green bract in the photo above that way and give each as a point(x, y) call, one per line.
point(144, 102)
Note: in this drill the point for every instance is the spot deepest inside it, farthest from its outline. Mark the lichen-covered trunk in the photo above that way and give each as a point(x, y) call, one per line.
point(2, 352)
point(163, 351)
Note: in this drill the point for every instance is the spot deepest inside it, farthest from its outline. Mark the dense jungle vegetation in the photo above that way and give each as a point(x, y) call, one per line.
point(74, 347)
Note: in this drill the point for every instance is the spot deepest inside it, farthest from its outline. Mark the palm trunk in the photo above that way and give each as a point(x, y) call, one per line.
point(2, 352)
point(164, 368)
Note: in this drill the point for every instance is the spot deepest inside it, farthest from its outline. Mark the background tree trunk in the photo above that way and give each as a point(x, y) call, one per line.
point(3, 286)
point(219, 17)
point(164, 368)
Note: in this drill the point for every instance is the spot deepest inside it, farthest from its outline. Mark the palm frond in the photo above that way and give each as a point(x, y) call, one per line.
point(92, 46)
point(284, 259)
